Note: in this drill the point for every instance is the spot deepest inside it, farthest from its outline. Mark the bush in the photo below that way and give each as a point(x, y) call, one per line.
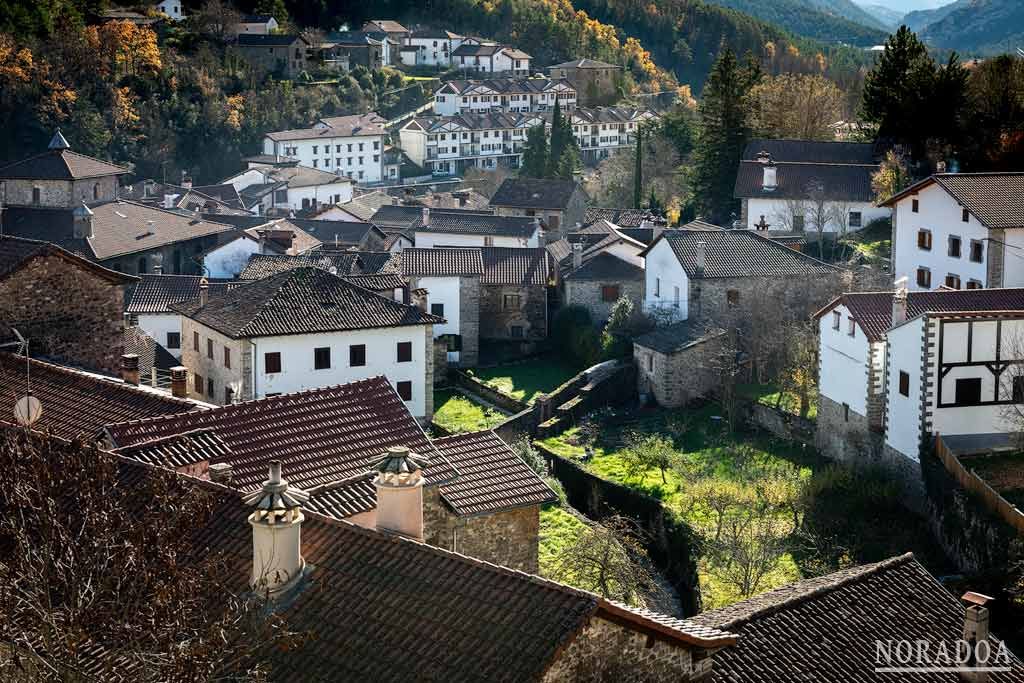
point(573, 333)
point(531, 456)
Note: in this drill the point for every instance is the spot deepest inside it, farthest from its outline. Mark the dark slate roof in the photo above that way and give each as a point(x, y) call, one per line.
point(60, 164)
point(515, 266)
point(826, 628)
point(154, 293)
point(841, 182)
point(995, 199)
point(534, 193)
point(812, 151)
point(739, 253)
point(472, 50)
point(607, 266)
point(344, 498)
point(262, 266)
point(404, 217)
point(442, 262)
point(492, 478)
point(298, 301)
point(15, 252)
point(624, 218)
point(873, 310)
point(677, 336)
point(80, 403)
point(150, 352)
point(480, 224)
point(340, 233)
point(224, 192)
point(179, 450)
point(323, 436)
point(377, 262)
point(268, 39)
point(378, 282)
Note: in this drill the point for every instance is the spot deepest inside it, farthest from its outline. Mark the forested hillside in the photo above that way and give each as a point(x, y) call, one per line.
point(848, 9)
point(983, 27)
point(802, 18)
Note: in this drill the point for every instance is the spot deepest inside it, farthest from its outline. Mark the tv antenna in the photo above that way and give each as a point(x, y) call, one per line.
point(27, 409)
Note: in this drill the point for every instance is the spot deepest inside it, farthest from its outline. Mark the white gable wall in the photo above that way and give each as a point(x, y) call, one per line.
point(844, 361)
point(443, 290)
point(776, 212)
point(903, 413)
point(428, 240)
point(228, 260)
point(664, 275)
point(158, 325)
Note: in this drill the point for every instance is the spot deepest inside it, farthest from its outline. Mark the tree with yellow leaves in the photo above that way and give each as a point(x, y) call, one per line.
point(127, 49)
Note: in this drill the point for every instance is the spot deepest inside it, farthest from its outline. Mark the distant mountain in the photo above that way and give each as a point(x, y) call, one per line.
point(904, 6)
point(887, 15)
point(916, 21)
point(807, 18)
point(847, 9)
point(980, 27)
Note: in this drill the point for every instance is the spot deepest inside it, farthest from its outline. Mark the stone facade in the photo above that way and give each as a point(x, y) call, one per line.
point(199, 363)
point(177, 258)
point(589, 294)
point(996, 258)
point(61, 194)
point(720, 300)
point(499, 316)
point(287, 60)
point(594, 86)
point(428, 380)
point(557, 221)
point(469, 321)
point(66, 311)
point(844, 434)
point(608, 651)
point(676, 379)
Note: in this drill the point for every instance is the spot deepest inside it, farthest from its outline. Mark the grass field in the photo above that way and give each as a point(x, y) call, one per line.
point(523, 381)
point(558, 529)
point(457, 413)
point(768, 395)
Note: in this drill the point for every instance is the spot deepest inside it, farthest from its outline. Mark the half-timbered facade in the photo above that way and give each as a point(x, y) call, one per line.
point(510, 95)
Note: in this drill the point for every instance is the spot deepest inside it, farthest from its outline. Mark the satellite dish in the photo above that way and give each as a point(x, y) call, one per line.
point(28, 410)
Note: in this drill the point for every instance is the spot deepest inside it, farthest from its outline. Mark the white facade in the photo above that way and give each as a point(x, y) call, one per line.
point(444, 291)
point(258, 28)
point(302, 198)
point(903, 410)
point(360, 158)
point(844, 353)
point(481, 98)
point(230, 259)
point(429, 240)
point(432, 51)
point(503, 61)
point(165, 328)
point(172, 8)
point(778, 213)
point(666, 285)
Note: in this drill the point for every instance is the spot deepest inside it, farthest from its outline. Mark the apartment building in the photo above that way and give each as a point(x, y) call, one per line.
point(509, 95)
point(352, 146)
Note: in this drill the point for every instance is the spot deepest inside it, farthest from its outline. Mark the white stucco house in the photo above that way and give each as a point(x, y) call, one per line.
point(268, 187)
point(256, 24)
point(512, 95)
point(301, 329)
point(491, 59)
point(786, 185)
point(961, 230)
point(172, 8)
point(350, 146)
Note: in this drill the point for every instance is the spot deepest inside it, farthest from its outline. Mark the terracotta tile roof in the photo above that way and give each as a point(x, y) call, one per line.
point(840, 182)
point(826, 628)
point(607, 266)
point(80, 403)
point(533, 193)
point(677, 336)
point(15, 252)
point(492, 478)
point(154, 293)
point(336, 127)
point(387, 26)
point(812, 151)
point(60, 164)
point(344, 498)
point(179, 450)
point(873, 310)
point(995, 199)
point(739, 253)
point(298, 301)
point(515, 266)
point(441, 262)
point(262, 266)
point(323, 436)
point(504, 85)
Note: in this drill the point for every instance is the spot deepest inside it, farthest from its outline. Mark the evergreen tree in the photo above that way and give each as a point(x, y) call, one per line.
point(535, 153)
point(564, 155)
point(725, 114)
point(638, 171)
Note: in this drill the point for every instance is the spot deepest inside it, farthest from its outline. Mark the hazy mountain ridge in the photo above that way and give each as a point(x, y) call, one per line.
point(803, 18)
point(978, 27)
point(890, 17)
point(847, 9)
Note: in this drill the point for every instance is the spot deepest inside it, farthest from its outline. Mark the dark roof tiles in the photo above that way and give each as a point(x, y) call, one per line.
point(60, 164)
point(838, 182)
point(442, 262)
point(517, 266)
point(154, 293)
point(535, 193)
point(812, 151)
point(739, 253)
point(995, 199)
point(607, 266)
point(179, 450)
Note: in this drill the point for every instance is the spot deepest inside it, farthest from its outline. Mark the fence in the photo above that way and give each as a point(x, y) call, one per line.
point(975, 484)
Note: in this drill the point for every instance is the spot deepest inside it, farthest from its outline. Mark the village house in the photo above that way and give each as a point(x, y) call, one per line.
point(596, 82)
point(491, 60)
point(601, 132)
point(395, 32)
point(602, 266)
point(285, 186)
point(256, 24)
point(961, 230)
point(429, 47)
point(209, 199)
point(66, 306)
point(361, 49)
point(301, 329)
point(450, 228)
point(350, 146)
point(514, 294)
point(279, 53)
point(807, 186)
point(509, 95)
point(679, 363)
point(560, 204)
point(170, 8)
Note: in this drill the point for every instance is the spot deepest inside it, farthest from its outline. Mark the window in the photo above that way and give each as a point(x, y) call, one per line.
point(953, 281)
point(1018, 389)
point(174, 340)
point(209, 349)
point(924, 277)
point(488, 241)
point(229, 396)
point(437, 309)
point(798, 223)
point(954, 247)
point(965, 216)
point(357, 355)
point(96, 191)
point(650, 363)
point(404, 352)
point(973, 284)
point(516, 331)
point(855, 219)
point(314, 149)
point(836, 319)
point(209, 387)
point(732, 297)
point(405, 390)
point(197, 383)
point(977, 251)
point(195, 341)
point(657, 286)
point(609, 293)
point(924, 239)
point(904, 383)
point(322, 358)
point(227, 357)
point(37, 195)
point(851, 327)
point(675, 296)
point(272, 362)
point(510, 302)
point(846, 412)
point(968, 391)
point(915, 206)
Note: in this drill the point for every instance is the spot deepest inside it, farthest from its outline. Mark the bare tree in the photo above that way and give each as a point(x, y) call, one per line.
point(839, 215)
point(799, 374)
point(106, 575)
point(818, 212)
point(217, 18)
point(792, 218)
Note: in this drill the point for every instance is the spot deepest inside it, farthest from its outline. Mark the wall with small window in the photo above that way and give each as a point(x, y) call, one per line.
point(779, 213)
point(664, 275)
point(160, 326)
point(843, 360)
point(903, 408)
point(225, 370)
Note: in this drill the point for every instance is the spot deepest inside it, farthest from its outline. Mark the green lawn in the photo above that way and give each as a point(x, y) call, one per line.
point(457, 413)
point(558, 528)
point(874, 243)
point(523, 381)
point(768, 395)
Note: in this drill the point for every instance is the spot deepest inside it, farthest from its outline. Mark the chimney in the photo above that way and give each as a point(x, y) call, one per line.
point(276, 533)
point(426, 215)
point(179, 381)
point(577, 255)
point(204, 292)
point(169, 200)
point(770, 181)
point(976, 631)
point(899, 302)
point(82, 222)
point(701, 256)
point(399, 485)
point(130, 368)
point(419, 298)
point(158, 263)
point(221, 472)
point(186, 182)
point(394, 201)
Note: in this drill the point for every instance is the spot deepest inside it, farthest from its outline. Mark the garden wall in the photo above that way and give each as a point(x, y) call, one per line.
point(778, 423)
point(669, 541)
point(489, 394)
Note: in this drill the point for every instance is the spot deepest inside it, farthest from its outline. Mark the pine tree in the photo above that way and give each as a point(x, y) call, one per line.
point(638, 171)
point(564, 152)
point(895, 89)
point(535, 153)
point(725, 114)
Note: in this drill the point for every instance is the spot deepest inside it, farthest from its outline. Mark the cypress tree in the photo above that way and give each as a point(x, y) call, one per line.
point(638, 172)
point(535, 153)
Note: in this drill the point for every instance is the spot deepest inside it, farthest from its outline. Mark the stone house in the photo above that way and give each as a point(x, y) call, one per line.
point(594, 81)
point(560, 204)
point(678, 363)
point(397, 34)
point(358, 48)
point(514, 294)
point(280, 53)
point(68, 307)
point(301, 329)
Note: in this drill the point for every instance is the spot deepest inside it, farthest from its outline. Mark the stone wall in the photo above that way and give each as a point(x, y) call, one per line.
point(996, 258)
point(63, 194)
point(587, 293)
point(675, 379)
point(845, 440)
point(609, 651)
point(469, 321)
point(199, 363)
point(797, 297)
point(66, 311)
point(428, 379)
point(780, 423)
point(497, 321)
point(440, 364)
point(490, 394)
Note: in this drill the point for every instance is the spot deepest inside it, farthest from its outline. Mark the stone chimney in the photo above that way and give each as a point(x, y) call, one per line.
point(276, 525)
point(399, 485)
point(975, 631)
point(204, 292)
point(426, 215)
point(179, 381)
point(82, 220)
point(899, 302)
point(130, 368)
point(158, 263)
point(221, 472)
point(701, 256)
point(577, 255)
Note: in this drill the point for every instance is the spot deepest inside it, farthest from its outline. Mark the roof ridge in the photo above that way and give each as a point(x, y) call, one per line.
point(164, 439)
